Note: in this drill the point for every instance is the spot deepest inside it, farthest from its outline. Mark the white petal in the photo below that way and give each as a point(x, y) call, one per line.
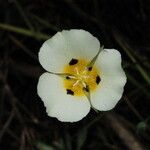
point(112, 82)
point(63, 46)
point(58, 104)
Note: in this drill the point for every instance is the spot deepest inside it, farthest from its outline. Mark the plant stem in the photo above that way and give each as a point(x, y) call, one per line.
point(24, 31)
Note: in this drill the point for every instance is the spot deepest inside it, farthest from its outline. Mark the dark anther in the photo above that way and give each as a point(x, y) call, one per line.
point(67, 77)
point(90, 68)
point(86, 89)
point(70, 92)
point(98, 79)
point(73, 61)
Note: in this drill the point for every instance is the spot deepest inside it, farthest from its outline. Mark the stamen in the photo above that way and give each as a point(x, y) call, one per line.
point(72, 77)
point(84, 84)
point(77, 72)
point(77, 82)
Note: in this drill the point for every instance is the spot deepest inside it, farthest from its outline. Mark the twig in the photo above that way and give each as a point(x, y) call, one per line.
point(22, 143)
point(16, 101)
point(133, 108)
point(119, 125)
point(44, 22)
point(138, 85)
point(27, 69)
point(23, 15)
point(3, 130)
point(13, 135)
point(97, 119)
point(23, 47)
point(82, 14)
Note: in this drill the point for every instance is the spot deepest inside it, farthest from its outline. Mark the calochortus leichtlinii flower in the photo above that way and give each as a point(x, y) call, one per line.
point(80, 75)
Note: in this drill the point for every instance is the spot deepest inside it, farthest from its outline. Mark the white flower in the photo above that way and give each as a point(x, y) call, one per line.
point(81, 75)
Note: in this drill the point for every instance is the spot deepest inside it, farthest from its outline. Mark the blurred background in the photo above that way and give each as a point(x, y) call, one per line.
point(119, 24)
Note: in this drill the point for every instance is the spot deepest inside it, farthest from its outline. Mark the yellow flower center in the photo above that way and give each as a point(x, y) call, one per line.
point(80, 77)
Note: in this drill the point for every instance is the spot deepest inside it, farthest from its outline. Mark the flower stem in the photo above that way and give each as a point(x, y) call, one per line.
point(23, 31)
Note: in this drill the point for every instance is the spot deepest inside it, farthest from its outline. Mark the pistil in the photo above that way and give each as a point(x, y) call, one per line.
point(80, 77)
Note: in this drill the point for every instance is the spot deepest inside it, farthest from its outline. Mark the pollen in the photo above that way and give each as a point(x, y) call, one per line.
point(80, 77)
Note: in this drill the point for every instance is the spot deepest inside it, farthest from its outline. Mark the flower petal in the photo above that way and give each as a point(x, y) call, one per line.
point(58, 104)
point(63, 46)
point(112, 82)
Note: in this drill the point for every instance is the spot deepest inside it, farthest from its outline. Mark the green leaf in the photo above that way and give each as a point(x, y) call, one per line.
point(141, 127)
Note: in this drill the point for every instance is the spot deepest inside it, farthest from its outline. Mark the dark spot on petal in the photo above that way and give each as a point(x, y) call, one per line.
point(86, 88)
point(70, 92)
point(67, 77)
point(73, 61)
point(98, 79)
point(90, 68)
